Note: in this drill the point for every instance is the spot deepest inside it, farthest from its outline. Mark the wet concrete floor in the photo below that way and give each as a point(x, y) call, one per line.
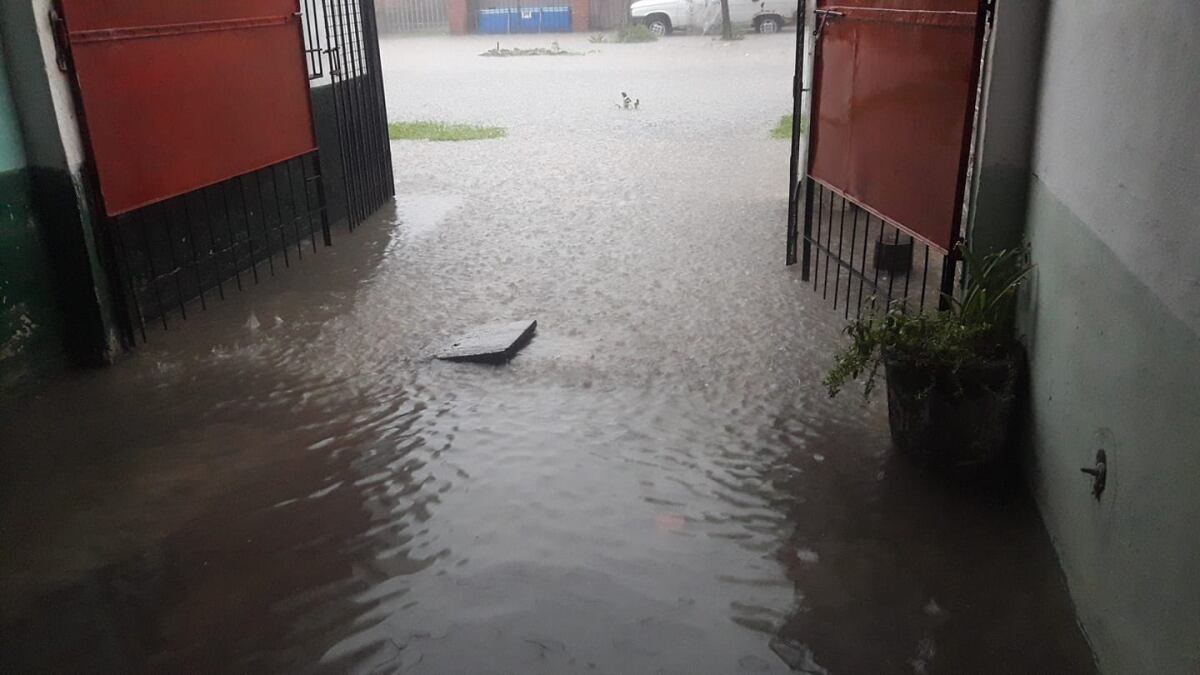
point(657, 484)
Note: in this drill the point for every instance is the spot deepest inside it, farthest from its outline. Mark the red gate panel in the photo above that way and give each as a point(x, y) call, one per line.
point(893, 98)
point(182, 94)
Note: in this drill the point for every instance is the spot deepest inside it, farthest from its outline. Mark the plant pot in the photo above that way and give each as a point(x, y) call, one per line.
point(894, 258)
point(951, 420)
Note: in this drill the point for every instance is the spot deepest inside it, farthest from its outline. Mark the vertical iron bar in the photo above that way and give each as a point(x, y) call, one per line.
point(849, 274)
point(279, 213)
point(371, 71)
point(383, 144)
point(947, 286)
point(191, 237)
point(312, 237)
point(355, 31)
point(355, 92)
point(233, 242)
point(162, 312)
point(806, 241)
point(366, 85)
point(837, 278)
point(319, 179)
point(817, 239)
point(797, 115)
point(875, 258)
point(176, 269)
point(908, 275)
point(346, 60)
point(335, 75)
point(212, 240)
point(130, 285)
point(266, 223)
point(891, 273)
point(828, 245)
point(924, 277)
point(250, 234)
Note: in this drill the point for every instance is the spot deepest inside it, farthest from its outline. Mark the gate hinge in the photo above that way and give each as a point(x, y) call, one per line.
point(822, 16)
point(62, 49)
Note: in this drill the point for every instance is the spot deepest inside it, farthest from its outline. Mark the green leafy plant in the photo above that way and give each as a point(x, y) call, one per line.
point(976, 329)
point(635, 33)
point(783, 130)
point(597, 38)
point(442, 131)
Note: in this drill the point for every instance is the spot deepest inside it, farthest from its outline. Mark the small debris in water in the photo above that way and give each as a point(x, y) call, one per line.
point(797, 656)
point(496, 343)
point(933, 609)
point(808, 555)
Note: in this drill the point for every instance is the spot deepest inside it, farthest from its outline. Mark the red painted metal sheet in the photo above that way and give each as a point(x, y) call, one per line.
point(893, 98)
point(182, 94)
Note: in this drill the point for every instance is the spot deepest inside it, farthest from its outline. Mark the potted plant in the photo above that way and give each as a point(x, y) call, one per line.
point(951, 375)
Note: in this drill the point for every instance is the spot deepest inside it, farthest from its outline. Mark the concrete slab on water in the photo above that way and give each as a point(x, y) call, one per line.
point(493, 343)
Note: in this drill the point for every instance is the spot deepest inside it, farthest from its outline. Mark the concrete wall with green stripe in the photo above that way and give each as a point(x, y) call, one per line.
point(56, 306)
point(1112, 321)
point(30, 323)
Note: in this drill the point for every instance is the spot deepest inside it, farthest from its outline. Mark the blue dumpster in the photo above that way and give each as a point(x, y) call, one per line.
point(494, 21)
point(556, 19)
point(530, 20)
point(501, 21)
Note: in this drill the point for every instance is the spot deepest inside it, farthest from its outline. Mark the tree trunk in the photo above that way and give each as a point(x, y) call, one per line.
point(726, 24)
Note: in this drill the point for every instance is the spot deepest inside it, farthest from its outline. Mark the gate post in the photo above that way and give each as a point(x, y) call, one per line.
point(62, 198)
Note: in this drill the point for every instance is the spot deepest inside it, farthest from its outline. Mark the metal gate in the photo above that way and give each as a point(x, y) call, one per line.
point(203, 148)
point(894, 95)
point(351, 36)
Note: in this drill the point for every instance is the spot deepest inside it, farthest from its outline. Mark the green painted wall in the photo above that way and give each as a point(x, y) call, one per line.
point(12, 150)
point(30, 323)
point(1113, 367)
point(1112, 322)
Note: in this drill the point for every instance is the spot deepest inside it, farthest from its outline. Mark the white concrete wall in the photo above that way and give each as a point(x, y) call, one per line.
point(43, 92)
point(1119, 138)
point(1112, 321)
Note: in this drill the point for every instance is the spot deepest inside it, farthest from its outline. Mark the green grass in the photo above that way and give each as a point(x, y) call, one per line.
point(635, 33)
point(783, 130)
point(441, 131)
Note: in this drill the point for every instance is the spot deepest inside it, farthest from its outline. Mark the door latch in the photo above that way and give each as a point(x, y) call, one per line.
point(62, 45)
point(1099, 474)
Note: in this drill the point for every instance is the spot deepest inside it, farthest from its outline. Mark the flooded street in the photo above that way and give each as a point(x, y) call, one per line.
point(659, 483)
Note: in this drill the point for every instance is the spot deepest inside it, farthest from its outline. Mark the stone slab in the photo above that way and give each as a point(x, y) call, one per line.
point(493, 343)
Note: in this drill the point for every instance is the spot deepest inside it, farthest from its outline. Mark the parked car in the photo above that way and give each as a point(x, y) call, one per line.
point(663, 17)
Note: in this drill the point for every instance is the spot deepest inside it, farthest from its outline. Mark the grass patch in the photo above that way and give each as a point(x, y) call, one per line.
point(783, 130)
point(440, 131)
point(635, 33)
point(553, 50)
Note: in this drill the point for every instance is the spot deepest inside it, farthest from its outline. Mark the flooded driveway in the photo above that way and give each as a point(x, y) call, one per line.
point(657, 484)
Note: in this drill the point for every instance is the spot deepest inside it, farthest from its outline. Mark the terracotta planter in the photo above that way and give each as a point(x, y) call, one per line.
point(957, 421)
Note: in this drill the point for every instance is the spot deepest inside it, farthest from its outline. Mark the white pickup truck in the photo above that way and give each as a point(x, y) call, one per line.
point(663, 17)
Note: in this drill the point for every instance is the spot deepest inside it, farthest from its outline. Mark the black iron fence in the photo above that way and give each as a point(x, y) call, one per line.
point(200, 245)
point(359, 109)
point(857, 259)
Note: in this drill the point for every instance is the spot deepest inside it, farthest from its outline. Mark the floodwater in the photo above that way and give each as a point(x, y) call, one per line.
point(657, 484)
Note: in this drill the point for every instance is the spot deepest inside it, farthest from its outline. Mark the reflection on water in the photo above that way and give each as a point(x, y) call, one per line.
point(658, 483)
